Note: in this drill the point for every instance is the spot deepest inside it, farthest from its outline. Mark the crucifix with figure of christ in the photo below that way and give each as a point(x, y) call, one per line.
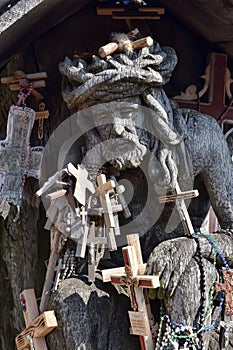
point(132, 276)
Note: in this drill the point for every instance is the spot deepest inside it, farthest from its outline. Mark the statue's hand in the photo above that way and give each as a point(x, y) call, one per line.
point(170, 259)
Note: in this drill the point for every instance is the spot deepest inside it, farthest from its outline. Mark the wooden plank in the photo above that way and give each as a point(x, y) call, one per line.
point(56, 194)
point(133, 241)
point(35, 84)
point(42, 115)
point(50, 272)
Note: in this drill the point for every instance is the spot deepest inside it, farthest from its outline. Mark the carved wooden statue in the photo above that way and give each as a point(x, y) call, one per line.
point(154, 144)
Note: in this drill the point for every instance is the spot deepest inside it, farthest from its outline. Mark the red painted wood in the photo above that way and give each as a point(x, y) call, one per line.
point(216, 98)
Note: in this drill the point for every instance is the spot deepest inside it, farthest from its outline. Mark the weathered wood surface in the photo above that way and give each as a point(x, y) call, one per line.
point(96, 325)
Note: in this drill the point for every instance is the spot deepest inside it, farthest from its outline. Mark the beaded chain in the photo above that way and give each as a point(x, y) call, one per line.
point(170, 332)
point(23, 94)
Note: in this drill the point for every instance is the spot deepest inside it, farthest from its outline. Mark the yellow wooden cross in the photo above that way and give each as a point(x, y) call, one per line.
point(37, 326)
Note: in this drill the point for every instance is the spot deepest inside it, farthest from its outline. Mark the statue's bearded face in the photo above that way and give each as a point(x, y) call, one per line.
point(117, 124)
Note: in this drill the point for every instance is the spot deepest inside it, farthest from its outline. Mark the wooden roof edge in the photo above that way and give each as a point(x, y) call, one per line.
point(29, 25)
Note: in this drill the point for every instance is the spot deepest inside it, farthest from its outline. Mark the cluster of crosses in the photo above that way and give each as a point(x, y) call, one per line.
point(74, 214)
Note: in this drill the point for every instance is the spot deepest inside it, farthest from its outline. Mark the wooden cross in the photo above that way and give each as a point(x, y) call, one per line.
point(21, 79)
point(103, 192)
point(217, 83)
point(134, 12)
point(82, 243)
point(37, 327)
point(131, 277)
point(82, 183)
point(179, 198)
point(93, 240)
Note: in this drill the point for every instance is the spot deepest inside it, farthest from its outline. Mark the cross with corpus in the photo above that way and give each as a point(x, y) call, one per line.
point(132, 277)
point(218, 84)
point(37, 327)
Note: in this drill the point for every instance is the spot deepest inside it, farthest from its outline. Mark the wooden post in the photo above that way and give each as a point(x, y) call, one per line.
point(139, 318)
point(54, 255)
point(37, 327)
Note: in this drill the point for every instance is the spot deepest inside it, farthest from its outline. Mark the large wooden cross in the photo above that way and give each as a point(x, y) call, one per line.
point(132, 276)
point(218, 83)
point(37, 326)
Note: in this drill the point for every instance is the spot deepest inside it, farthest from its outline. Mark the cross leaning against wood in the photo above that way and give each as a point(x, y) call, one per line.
point(37, 326)
point(132, 276)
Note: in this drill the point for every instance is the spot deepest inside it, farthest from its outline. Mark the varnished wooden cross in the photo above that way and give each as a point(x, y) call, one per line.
point(217, 85)
point(131, 277)
point(37, 327)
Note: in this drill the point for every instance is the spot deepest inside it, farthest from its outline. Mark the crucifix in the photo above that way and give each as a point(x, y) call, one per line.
point(217, 82)
point(37, 326)
point(131, 276)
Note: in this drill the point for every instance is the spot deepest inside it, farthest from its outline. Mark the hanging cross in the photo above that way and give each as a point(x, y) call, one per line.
point(179, 198)
point(82, 242)
point(218, 83)
point(93, 241)
point(37, 327)
point(82, 183)
point(135, 282)
point(17, 159)
point(103, 192)
point(21, 79)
